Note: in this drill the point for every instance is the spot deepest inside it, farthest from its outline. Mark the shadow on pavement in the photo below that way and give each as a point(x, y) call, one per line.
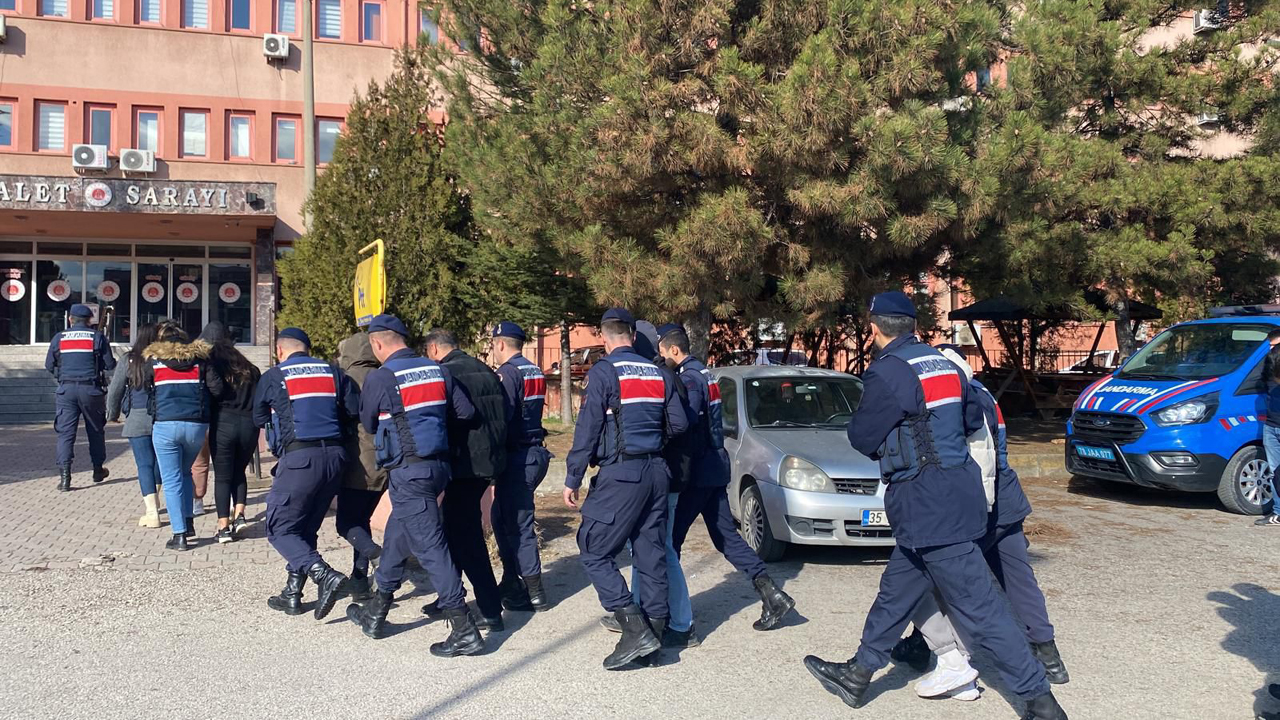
point(1252, 611)
point(1141, 496)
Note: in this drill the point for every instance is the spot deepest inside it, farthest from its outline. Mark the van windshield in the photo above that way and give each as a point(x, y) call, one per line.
point(1195, 352)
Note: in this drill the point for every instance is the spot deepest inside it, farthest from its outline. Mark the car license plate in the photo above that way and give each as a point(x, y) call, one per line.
point(875, 518)
point(1096, 453)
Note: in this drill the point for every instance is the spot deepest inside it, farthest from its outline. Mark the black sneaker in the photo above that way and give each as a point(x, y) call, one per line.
point(238, 525)
point(1271, 519)
point(223, 535)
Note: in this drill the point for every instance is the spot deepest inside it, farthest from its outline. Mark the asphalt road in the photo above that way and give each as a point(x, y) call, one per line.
point(1165, 606)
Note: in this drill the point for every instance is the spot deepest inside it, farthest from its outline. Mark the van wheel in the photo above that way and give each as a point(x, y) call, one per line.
point(1246, 483)
point(755, 527)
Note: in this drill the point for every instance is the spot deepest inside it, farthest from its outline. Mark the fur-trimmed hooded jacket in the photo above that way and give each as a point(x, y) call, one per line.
point(181, 381)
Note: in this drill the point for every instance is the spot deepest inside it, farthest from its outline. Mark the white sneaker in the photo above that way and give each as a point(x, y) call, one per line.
point(197, 507)
point(968, 693)
point(952, 672)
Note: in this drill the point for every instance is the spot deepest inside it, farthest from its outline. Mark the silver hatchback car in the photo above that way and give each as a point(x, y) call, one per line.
point(795, 478)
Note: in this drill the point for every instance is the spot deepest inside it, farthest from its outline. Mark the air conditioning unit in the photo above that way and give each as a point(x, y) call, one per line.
point(4, 30)
point(137, 161)
point(90, 157)
point(1207, 118)
point(962, 335)
point(275, 47)
point(1205, 20)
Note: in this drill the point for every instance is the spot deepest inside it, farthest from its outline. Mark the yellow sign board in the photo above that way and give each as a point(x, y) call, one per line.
point(370, 291)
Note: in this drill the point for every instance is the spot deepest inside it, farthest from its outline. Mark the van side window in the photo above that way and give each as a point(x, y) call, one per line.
point(1254, 383)
point(729, 406)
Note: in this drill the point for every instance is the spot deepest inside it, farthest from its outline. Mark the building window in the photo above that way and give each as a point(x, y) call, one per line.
point(428, 27)
point(146, 135)
point(326, 138)
point(53, 8)
point(287, 140)
point(103, 9)
point(239, 136)
point(194, 135)
point(149, 11)
point(6, 124)
point(99, 126)
point(8, 4)
point(51, 127)
point(371, 21)
point(287, 17)
point(982, 79)
point(329, 19)
point(195, 14)
point(241, 12)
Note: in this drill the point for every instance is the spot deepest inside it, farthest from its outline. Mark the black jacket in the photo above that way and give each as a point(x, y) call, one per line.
point(478, 446)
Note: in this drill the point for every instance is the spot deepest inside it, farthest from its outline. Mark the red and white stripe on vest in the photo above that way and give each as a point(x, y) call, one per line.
point(76, 357)
point(178, 394)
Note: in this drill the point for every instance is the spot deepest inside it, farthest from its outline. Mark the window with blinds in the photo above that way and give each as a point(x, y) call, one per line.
point(195, 13)
point(193, 133)
point(148, 130)
point(149, 11)
point(238, 132)
point(104, 9)
point(328, 19)
point(53, 8)
point(51, 126)
point(287, 16)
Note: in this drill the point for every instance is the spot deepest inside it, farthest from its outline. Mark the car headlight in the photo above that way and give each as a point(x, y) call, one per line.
point(799, 474)
point(1187, 412)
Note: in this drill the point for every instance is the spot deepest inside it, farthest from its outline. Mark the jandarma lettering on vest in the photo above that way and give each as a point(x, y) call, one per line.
point(96, 194)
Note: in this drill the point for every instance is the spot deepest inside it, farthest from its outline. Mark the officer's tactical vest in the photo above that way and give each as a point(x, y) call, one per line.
point(712, 420)
point(76, 357)
point(533, 394)
point(415, 427)
point(312, 410)
point(178, 394)
point(635, 422)
point(935, 437)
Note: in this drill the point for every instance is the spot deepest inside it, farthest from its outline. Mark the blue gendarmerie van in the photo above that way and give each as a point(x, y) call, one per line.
point(1185, 412)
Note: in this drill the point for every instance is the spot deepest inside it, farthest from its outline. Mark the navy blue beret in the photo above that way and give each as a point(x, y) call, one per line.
point(668, 328)
point(891, 304)
point(388, 322)
point(294, 333)
point(619, 314)
point(506, 328)
point(81, 311)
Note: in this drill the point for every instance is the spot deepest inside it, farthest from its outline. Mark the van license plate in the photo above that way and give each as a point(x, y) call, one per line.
point(1096, 453)
point(875, 518)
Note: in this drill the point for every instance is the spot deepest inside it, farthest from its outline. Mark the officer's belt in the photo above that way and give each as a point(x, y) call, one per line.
point(307, 444)
point(623, 457)
point(78, 382)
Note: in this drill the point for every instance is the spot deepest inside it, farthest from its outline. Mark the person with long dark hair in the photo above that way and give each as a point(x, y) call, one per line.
point(232, 434)
point(181, 384)
point(127, 393)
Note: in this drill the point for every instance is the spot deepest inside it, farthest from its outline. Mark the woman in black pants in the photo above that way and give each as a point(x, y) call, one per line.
point(232, 434)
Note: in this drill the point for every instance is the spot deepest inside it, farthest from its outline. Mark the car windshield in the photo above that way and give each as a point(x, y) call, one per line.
point(1195, 352)
point(782, 402)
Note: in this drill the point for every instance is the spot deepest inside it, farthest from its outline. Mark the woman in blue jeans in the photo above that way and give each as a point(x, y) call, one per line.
point(128, 393)
point(181, 383)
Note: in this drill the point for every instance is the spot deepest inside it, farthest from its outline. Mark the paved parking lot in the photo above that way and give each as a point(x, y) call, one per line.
point(1166, 607)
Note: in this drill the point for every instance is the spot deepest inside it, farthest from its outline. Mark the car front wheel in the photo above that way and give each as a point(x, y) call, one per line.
point(1246, 483)
point(755, 527)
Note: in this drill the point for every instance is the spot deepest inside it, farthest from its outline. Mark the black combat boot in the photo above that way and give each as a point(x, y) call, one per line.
point(289, 601)
point(490, 624)
point(178, 542)
point(847, 681)
point(100, 473)
point(637, 638)
point(1054, 668)
point(464, 638)
point(358, 587)
point(1045, 707)
point(610, 623)
point(913, 650)
point(776, 604)
point(372, 615)
point(654, 658)
point(514, 594)
point(677, 638)
point(64, 478)
point(536, 593)
point(329, 584)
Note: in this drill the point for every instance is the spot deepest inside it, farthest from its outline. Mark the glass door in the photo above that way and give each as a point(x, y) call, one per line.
point(188, 297)
point(109, 284)
point(15, 302)
point(153, 293)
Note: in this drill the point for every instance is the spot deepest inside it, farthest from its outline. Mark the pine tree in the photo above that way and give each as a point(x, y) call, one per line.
point(700, 159)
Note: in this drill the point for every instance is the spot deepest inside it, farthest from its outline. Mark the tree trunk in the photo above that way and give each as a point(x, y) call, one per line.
point(699, 329)
point(1124, 326)
point(566, 376)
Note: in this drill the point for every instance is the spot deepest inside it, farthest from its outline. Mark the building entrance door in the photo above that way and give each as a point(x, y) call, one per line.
point(172, 290)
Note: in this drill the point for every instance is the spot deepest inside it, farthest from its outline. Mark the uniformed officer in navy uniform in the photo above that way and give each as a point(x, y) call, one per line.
point(304, 403)
point(1005, 548)
point(407, 405)
point(78, 358)
point(525, 389)
point(627, 413)
point(914, 419)
point(706, 490)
